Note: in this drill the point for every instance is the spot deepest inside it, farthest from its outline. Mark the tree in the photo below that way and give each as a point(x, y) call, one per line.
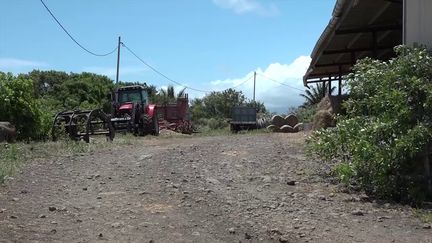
point(70, 91)
point(259, 106)
point(218, 104)
point(85, 90)
point(168, 95)
point(46, 83)
point(315, 94)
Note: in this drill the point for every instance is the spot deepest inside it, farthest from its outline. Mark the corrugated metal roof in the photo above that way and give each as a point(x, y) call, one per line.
point(350, 36)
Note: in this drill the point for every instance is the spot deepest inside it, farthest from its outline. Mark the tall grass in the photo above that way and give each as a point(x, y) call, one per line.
point(227, 132)
point(11, 157)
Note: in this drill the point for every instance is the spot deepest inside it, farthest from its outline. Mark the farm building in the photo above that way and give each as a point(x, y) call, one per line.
point(367, 28)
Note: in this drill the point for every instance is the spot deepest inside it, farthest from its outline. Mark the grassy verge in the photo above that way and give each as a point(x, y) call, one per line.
point(424, 215)
point(13, 156)
point(226, 132)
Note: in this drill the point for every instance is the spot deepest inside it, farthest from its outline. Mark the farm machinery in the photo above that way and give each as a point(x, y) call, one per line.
point(81, 124)
point(175, 116)
point(130, 113)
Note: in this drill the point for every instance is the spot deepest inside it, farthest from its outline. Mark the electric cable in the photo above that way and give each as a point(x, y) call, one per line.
point(279, 82)
point(173, 81)
point(240, 84)
point(71, 37)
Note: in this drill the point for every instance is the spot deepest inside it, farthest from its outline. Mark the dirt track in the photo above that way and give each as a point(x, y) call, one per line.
point(201, 189)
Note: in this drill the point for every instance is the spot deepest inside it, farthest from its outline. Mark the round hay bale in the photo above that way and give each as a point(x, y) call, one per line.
point(291, 120)
point(273, 128)
point(278, 121)
point(7, 132)
point(287, 129)
point(298, 127)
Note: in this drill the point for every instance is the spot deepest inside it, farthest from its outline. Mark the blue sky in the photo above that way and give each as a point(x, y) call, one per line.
point(206, 44)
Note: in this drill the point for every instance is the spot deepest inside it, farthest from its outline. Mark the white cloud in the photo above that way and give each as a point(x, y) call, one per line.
point(276, 96)
point(6, 64)
point(247, 6)
point(111, 71)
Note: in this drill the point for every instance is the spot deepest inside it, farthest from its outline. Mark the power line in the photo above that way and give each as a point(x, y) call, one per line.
point(240, 84)
point(160, 73)
point(72, 38)
point(279, 82)
point(176, 82)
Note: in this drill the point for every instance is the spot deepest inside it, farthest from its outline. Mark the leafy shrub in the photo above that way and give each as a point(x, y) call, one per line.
point(19, 107)
point(211, 123)
point(387, 125)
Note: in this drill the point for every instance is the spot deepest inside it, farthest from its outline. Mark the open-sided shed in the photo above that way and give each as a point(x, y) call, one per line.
point(357, 29)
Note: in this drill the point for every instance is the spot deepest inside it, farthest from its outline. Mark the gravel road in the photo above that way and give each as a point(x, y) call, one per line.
point(237, 188)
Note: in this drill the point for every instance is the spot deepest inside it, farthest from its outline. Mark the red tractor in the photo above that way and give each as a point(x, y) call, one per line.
point(132, 112)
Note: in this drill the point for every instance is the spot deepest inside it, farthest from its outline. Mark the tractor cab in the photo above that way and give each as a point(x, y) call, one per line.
point(127, 98)
point(134, 94)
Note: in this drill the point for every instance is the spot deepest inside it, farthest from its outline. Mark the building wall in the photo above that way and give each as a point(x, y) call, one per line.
point(418, 22)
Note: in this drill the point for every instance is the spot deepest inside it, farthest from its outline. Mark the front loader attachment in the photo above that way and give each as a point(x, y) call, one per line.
point(81, 124)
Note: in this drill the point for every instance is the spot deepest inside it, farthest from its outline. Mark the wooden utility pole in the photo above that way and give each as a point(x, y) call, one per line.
point(254, 86)
point(118, 59)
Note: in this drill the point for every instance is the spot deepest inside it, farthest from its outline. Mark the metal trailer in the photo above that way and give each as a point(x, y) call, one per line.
point(175, 116)
point(243, 118)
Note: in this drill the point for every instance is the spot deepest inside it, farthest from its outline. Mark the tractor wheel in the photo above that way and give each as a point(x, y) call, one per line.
point(155, 130)
point(145, 125)
point(148, 125)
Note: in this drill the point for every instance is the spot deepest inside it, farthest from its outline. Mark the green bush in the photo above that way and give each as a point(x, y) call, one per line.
point(19, 106)
point(388, 123)
point(211, 123)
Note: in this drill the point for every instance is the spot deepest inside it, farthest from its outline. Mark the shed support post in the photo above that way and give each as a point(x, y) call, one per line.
point(374, 44)
point(340, 81)
point(329, 85)
point(427, 167)
point(324, 88)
